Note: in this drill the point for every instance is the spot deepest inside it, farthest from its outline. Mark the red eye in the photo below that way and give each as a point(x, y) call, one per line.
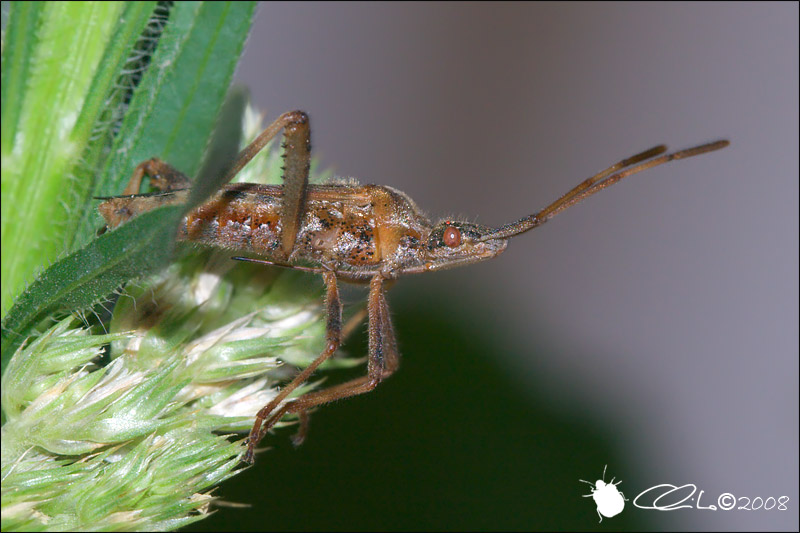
point(451, 237)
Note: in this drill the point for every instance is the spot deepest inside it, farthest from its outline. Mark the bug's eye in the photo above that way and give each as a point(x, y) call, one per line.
point(451, 237)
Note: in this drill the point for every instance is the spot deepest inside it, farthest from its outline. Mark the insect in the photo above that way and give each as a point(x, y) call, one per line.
point(368, 234)
point(609, 499)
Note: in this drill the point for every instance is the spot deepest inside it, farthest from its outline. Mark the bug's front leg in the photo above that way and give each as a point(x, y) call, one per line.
point(163, 177)
point(383, 361)
point(118, 209)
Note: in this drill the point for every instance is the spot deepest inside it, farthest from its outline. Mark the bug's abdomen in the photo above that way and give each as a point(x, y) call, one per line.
point(237, 221)
point(332, 232)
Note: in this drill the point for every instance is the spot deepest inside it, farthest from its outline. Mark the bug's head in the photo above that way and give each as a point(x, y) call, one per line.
point(457, 243)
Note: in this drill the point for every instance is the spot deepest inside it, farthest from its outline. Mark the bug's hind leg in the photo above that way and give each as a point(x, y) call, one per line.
point(297, 162)
point(297, 141)
point(163, 177)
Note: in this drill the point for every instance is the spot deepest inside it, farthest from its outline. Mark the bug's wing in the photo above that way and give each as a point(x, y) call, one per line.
point(338, 193)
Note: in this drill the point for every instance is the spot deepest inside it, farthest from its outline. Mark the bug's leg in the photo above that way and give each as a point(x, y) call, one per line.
point(297, 162)
point(352, 323)
point(383, 361)
point(162, 176)
point(333, 337)
point(117, 209)
point(302, 430)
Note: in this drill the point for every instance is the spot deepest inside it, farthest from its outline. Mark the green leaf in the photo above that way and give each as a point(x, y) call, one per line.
point(84, 277)
point(18, 47)
point(171, 115)
point(102, 108)
point(223, 148)
point(175, 108)
point(45, 87)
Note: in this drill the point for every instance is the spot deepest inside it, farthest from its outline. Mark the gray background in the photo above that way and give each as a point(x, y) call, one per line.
point(669, 304)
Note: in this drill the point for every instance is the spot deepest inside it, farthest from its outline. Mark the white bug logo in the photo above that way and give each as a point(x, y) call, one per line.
point(609, 499)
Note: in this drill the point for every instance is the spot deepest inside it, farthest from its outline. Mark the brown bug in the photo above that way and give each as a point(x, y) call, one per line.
point(357, 233)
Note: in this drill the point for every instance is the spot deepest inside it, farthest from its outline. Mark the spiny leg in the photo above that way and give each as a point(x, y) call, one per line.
point(163, 177)
point(297, 162)
point(383, 361)
point(333, 337)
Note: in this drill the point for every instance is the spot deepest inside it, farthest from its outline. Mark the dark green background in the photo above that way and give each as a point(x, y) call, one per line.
point(449, 442)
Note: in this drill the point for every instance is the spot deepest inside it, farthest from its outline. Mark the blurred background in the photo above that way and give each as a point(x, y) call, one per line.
point(653, 328)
